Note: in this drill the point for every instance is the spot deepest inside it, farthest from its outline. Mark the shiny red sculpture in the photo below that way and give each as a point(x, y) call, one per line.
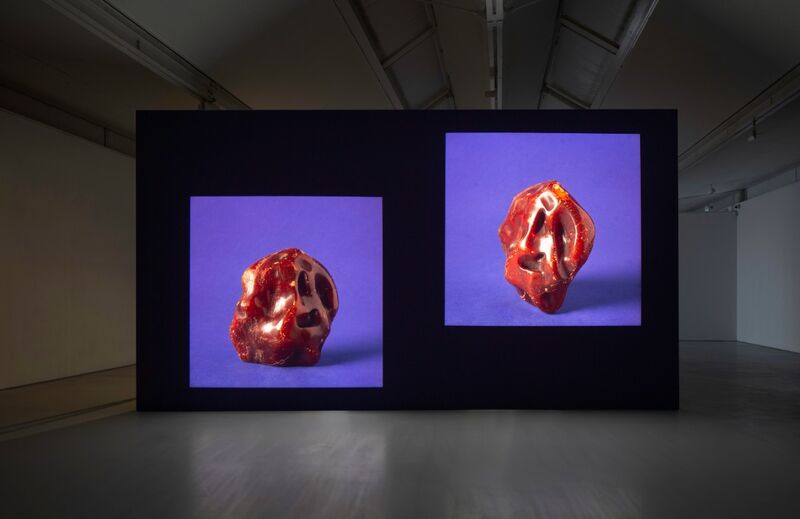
point(547, 237)
point(286, 309)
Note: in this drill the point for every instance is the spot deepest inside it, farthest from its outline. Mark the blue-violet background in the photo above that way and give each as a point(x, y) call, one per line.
point(228, 234)
point(484, 171)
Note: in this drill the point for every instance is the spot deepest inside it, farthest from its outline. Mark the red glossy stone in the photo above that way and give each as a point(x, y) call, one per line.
point(286, 309)
point(547, 237)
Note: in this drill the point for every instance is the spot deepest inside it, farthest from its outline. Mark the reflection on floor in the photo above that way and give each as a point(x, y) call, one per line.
point(732, 451)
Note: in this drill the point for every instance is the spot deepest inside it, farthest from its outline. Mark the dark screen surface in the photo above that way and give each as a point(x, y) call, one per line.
point(400, 157)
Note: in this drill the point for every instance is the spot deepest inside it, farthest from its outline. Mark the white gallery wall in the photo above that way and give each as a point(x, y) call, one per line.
point(67, 254)
point(768, 270)
point(707, 276)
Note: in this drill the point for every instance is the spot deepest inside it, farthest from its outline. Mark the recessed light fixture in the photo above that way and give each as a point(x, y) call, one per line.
point(753, 132)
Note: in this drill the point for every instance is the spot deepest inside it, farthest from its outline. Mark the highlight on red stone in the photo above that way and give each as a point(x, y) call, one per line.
point(547, 237)
point(286, 309)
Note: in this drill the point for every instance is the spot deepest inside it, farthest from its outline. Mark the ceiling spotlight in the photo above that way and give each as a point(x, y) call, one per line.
point(753, 132)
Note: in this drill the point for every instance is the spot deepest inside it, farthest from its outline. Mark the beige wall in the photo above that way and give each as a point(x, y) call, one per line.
point(67, 254)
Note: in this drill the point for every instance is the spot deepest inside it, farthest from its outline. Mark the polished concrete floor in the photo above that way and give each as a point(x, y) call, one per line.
point(732, 451)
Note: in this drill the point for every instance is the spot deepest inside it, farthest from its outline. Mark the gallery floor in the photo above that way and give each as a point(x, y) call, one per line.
point(732, 451)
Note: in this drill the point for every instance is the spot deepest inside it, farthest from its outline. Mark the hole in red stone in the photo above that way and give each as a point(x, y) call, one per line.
point(567, 239)
point(325, 291)
point(558, 238)
point(570, 234)
point(309, 319)
point(530, 262)
point(538, 222)
point(303, 286)
point(547, 202)
point(305, 265)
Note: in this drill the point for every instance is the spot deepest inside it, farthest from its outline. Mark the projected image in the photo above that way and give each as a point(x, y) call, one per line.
point(285, 292)
point(542, 229)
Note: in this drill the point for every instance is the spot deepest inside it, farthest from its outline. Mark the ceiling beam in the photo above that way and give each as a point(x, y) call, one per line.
point(113, 26)
point(588, 34)
point(563, 96)
point(358, 30)
point(436, 99)
point(641, 10)
point(635, 21)
point(494, 33)
point(408, 47)
point(517, 7)
point(551, 52)
point(21, 103)
point(742, 189)
point(437, 43)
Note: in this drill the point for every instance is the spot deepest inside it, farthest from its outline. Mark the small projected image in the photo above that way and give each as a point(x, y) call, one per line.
point(542, 229)
point(286, 292)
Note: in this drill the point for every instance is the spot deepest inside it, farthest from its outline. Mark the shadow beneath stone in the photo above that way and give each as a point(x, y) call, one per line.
point(599, 292)
point(346, 353)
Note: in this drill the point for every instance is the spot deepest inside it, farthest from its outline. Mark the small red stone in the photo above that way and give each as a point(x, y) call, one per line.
point(286, 309)
point(547, 237)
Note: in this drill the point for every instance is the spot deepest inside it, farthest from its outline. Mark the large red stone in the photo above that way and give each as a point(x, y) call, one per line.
point(286, 309)
point(547, 237)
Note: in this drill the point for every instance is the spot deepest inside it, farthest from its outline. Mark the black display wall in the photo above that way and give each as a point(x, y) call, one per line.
point(400, 156)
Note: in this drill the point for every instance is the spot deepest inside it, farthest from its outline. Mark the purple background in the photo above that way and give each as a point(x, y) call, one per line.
point(228, 234)
point(483, 173)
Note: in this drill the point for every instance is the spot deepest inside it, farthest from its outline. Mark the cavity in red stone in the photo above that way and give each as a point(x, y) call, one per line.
point(285, 312)
point(547, 237)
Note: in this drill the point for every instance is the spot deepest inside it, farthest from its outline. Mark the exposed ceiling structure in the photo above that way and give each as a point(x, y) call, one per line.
point(743, 161)
point(721, 63)
point(401, 42)
point(590, 44)
point(57, 69)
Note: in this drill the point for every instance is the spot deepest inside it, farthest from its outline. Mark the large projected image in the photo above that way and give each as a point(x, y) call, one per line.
point(542, 229)
point(530, 260)
point(285, 292)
